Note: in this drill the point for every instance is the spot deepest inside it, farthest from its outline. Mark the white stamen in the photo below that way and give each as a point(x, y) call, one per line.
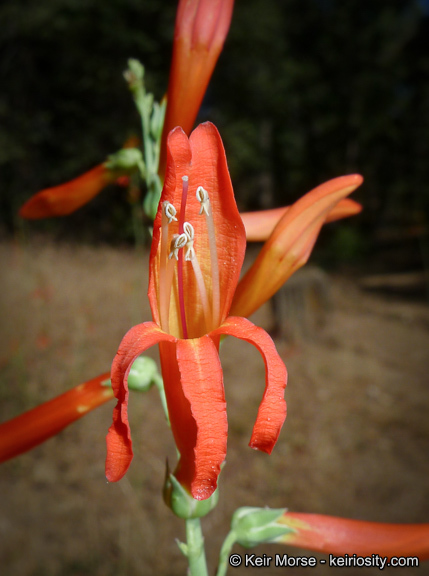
point(203, 198)
point(169, 211)
point(190, 256)
point(188, 229)
point(177, 242)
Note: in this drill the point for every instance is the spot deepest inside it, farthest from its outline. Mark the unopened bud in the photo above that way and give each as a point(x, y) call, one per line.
point(182, 503)
point(252, 526)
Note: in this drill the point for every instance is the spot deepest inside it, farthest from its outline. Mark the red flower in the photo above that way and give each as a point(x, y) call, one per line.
point(197, 252)
point(37, 425)
point(199, 34)
point(291, 242)
point(66, 198)
point(259, 225)
point(343, 536)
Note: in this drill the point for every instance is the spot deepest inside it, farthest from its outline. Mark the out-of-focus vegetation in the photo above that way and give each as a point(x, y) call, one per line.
point(305, 90)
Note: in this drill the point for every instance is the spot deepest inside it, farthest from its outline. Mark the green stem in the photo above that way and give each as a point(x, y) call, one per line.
point(225, 553)
point(195, 548)
point(159, 383)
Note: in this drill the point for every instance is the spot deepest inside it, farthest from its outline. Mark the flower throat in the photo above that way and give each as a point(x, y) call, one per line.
point(173, 261)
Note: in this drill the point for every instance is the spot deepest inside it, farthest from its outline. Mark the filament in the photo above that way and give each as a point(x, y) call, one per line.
point(203, 197)
point(180, 263)
point(168, 214)
point(191, 256)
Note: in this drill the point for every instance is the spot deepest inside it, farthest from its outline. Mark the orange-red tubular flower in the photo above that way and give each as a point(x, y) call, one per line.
point(290, 244)
point(197, 253)
point(343, 536)
point(37, 425)
point(259, 225)
point(66, 198)
point(199, 34)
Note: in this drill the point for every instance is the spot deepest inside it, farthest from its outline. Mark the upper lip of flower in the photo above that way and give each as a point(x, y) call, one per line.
point(198, 188)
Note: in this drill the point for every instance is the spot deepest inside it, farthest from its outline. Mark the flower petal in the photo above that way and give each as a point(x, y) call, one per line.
point(198, 415)
point(272, 410)
point(66, 198)
point(37, 425)
point(290, 245)
point(259, 225)
point(119, 445)
point(343, 536)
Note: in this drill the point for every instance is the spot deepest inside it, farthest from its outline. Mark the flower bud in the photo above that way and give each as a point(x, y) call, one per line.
point(182, 503)
point(143, 374)
point(126, 160)
point(252, 526)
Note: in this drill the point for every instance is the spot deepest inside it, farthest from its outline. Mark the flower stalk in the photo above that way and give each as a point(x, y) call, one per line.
point(195, 548)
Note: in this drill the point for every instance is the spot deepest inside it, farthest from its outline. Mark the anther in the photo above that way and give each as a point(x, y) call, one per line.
point(203, 198)
point(188, 230)
point(177, 242)
point(169, 211)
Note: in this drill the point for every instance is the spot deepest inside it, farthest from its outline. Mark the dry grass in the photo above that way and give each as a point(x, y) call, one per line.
point(355, 442)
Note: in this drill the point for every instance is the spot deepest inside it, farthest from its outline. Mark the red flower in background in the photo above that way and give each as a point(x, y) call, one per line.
point(260, 225)
point(199, 34)
point(291, 242)
point(342, 536)
point(67, 198)
point(37, 425)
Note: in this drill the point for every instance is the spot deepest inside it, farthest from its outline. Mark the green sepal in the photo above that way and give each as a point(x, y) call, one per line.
point(181, 502)
point(252, 526)
point(126, 160)
point(143, 374)
point(157, 120)
point(134, 75)
point(182, 547)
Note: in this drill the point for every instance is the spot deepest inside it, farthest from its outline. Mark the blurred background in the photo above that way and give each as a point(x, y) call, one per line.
point(305, 90)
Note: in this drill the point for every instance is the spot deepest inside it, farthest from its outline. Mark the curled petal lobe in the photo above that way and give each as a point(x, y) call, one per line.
point(272, 410)
point(342, 536)
point(66, 198)
point(259, 225)
point(290, 244)
point(119, 445)
point(202, 384)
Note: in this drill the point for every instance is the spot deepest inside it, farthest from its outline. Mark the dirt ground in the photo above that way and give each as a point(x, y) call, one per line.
point(355, 442)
